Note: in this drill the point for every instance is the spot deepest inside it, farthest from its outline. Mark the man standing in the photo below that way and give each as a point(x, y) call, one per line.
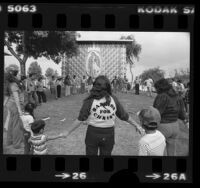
point(137, 85)
point(125, 84)
point(31, 89)
point(149, 84)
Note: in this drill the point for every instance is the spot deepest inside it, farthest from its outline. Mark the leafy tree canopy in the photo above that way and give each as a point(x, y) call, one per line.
point(154, 73)
point(133, 49)
point(50, 44)
point(35, 68)
point(49, 72)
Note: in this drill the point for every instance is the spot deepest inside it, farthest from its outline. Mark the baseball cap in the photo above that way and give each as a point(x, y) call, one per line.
point(150, 117)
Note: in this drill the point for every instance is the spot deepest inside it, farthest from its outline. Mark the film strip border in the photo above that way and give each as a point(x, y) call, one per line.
point(95, 169)
point(99, 18)
point(124, 17)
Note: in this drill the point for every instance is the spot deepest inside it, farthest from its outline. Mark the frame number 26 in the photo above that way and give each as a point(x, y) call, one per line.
point(79, 176)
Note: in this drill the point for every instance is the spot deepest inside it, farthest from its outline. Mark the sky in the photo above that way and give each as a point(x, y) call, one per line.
point(168, 50)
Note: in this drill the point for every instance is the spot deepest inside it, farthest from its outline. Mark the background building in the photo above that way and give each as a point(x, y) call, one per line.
point(97, 58)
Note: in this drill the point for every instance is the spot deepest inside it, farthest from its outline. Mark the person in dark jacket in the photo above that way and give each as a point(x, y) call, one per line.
point(171, 108)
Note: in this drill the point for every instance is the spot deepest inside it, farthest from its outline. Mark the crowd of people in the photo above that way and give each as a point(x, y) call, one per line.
point(21, 97)
point(159, 123)
point(158, 127)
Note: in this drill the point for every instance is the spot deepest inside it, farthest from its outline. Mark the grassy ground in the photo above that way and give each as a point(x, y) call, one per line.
point(126, 139)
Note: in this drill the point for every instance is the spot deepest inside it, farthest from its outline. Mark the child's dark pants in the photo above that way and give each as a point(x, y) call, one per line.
point(58, 91)
point(99, 139)
point(27, 146)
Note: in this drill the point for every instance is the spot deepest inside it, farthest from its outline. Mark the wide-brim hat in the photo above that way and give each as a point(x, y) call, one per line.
point(12, 67)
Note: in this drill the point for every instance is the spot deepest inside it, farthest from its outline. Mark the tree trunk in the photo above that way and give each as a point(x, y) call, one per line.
point(23, 68)
point(130, 66)
point(21, 61)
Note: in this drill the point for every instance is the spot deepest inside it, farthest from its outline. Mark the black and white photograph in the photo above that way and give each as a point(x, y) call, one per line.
point(96, 93)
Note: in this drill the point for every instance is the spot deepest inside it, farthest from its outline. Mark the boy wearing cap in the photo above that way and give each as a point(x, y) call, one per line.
point(153, 142)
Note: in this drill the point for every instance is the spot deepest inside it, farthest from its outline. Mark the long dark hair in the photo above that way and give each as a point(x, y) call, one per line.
point(10, 77)
point(163, 86)
point(101, 88)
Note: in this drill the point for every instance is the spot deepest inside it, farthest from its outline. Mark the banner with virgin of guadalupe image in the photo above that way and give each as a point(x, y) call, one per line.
point(93, 63)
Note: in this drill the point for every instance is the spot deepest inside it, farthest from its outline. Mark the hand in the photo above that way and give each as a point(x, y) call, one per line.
point(61, 135)
point(140, 130)
point(65, 134)
point(187, 124)
point(21, 116)
point(21, 113)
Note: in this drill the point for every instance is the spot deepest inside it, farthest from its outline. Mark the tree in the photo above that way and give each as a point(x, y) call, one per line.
point(49, 72)
point(154, 73)
point(133, 50)
point(50, 44)
point(35, 68)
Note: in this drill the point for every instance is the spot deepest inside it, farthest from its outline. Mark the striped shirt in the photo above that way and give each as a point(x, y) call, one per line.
point(152, 144)
point(39, 144)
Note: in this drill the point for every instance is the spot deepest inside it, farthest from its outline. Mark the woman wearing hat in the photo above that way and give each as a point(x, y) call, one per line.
point(14, 104)
point(171, 108)
point(100, 109)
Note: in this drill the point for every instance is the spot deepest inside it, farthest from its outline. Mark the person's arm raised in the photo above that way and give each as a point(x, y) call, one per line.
point(53, 137)
point(83, 116)
point(124, 116)
point(136, 125)
point(73, 127)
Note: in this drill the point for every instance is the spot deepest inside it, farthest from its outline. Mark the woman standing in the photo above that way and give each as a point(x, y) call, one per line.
point(52, 84)
point(74, 85)
point(171, 108)
point(40, 91)
point(15, 105)
point(100, 110)
point(67, 83)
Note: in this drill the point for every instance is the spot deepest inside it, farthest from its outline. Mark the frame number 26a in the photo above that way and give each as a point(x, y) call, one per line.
point(174, 176)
